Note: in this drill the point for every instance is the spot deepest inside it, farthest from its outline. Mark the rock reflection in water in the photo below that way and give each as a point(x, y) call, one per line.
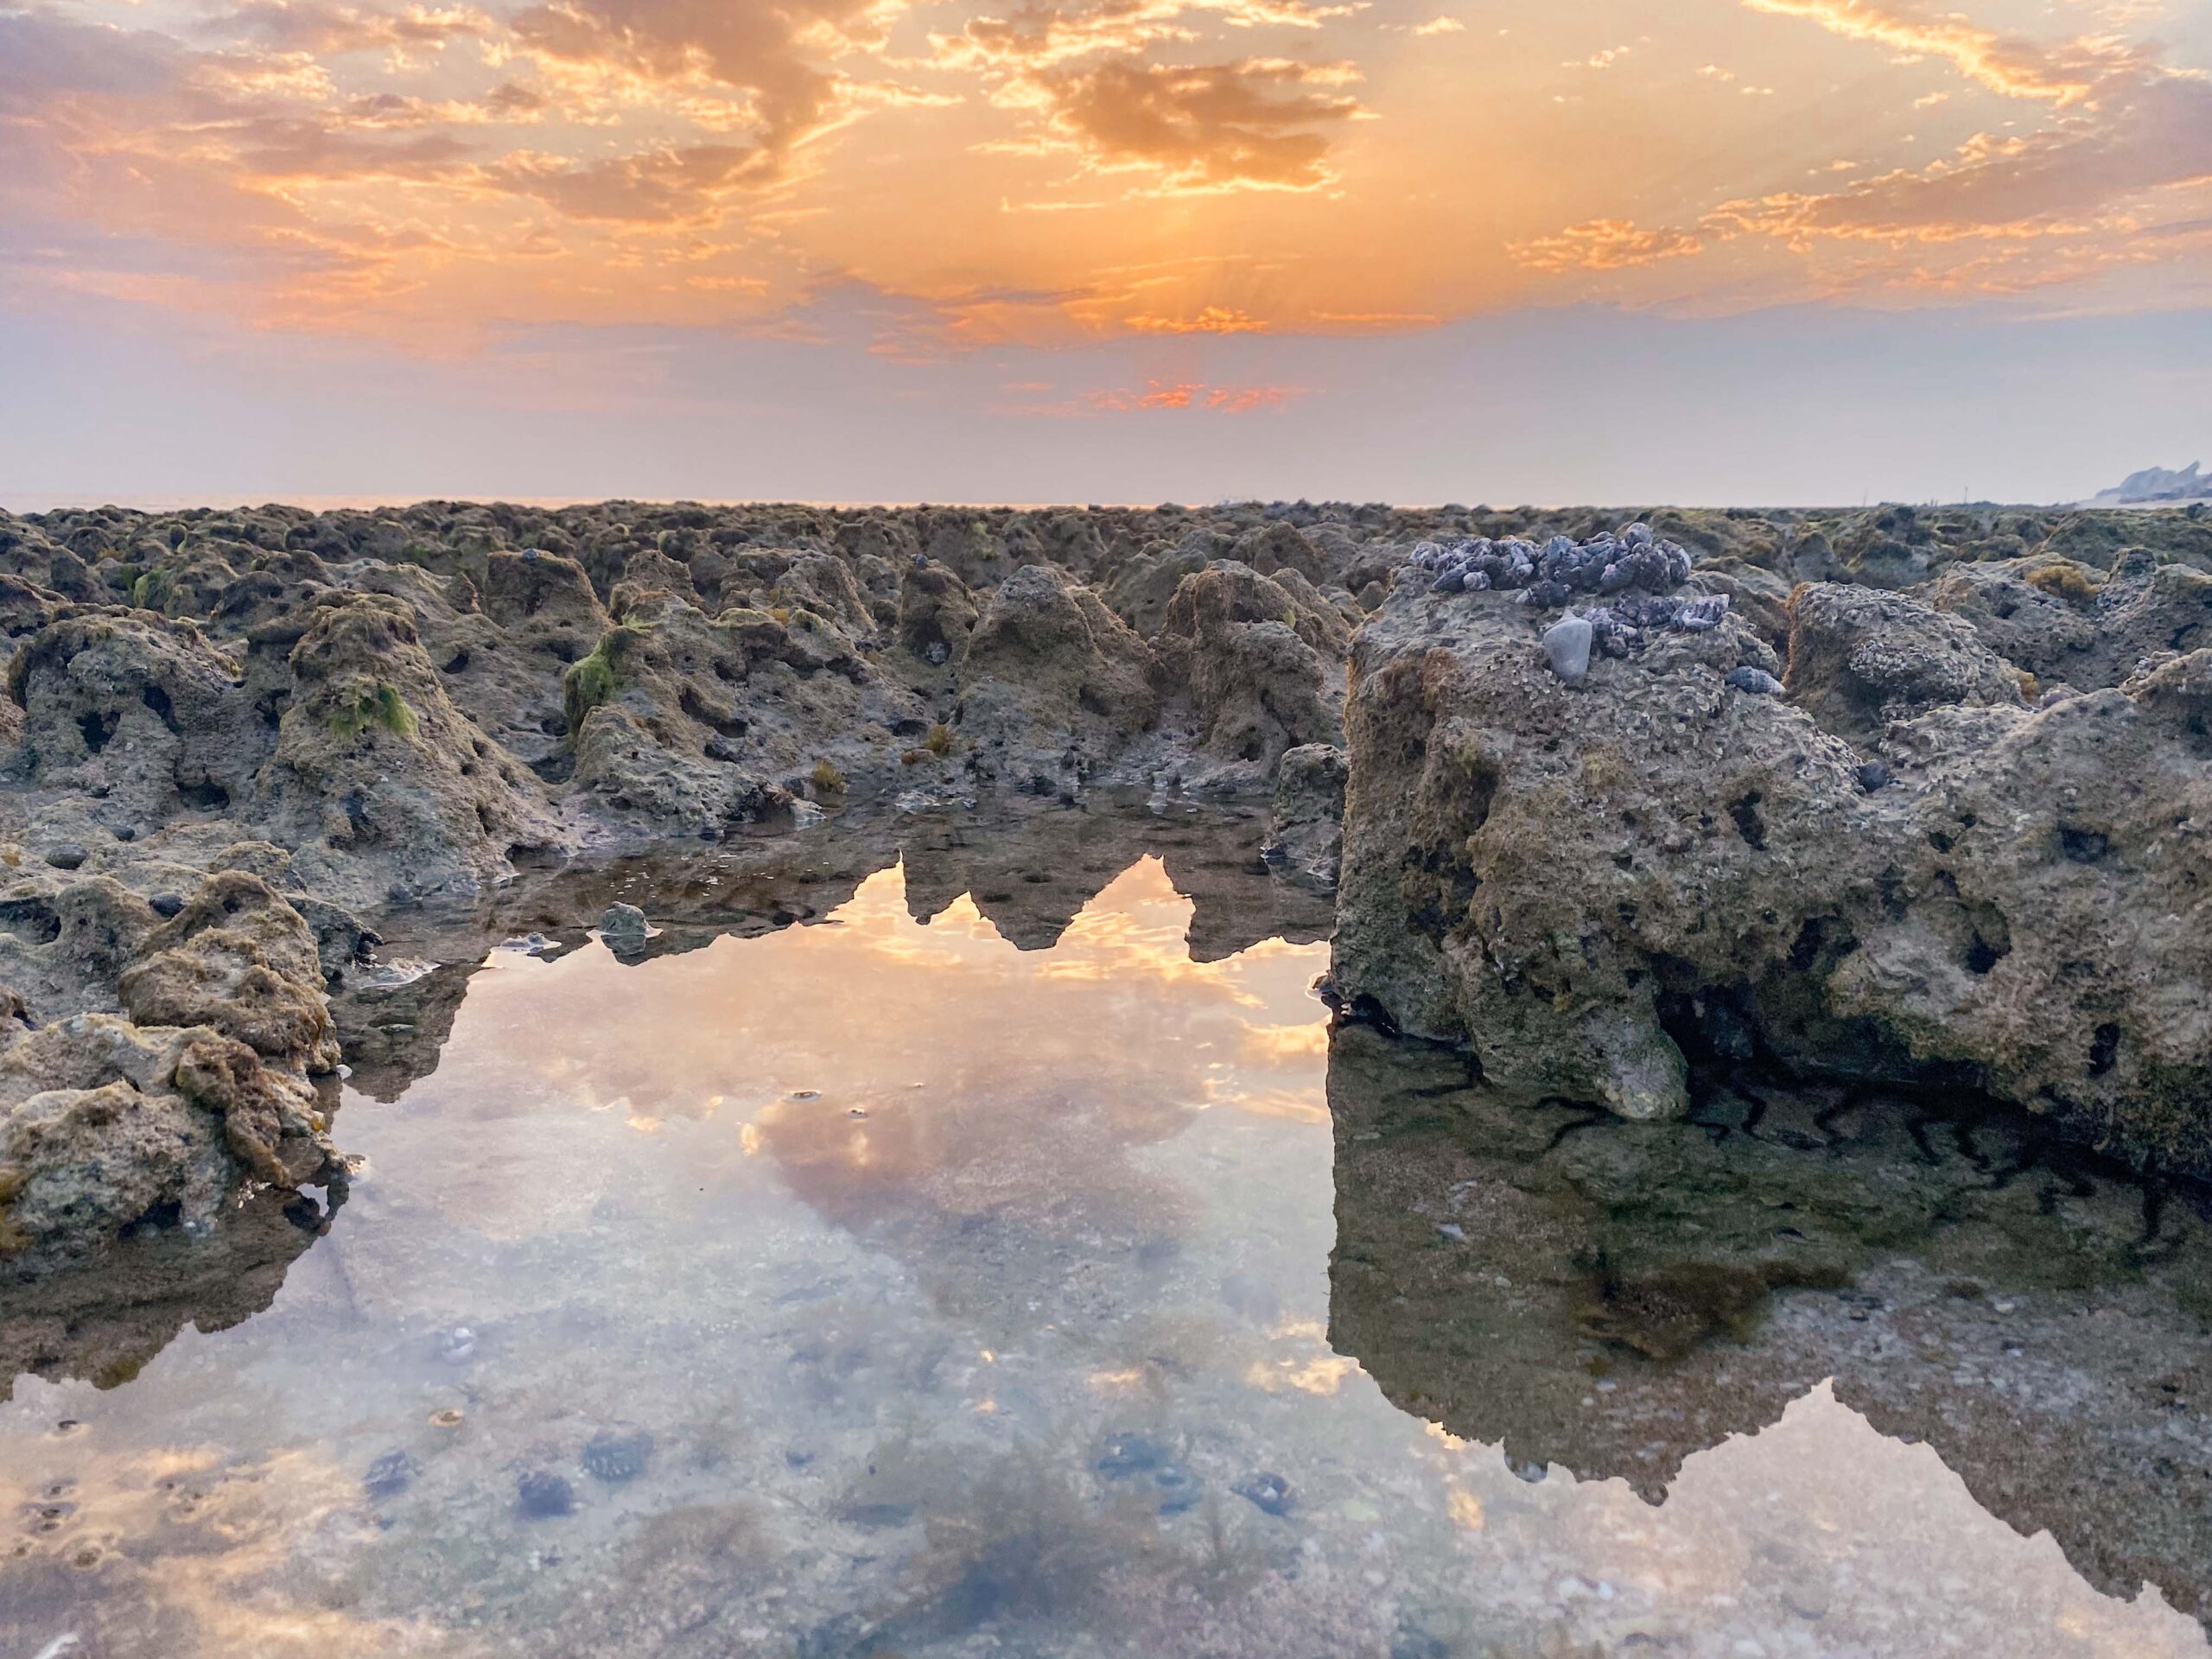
point(1614, 1297)
point(871, 1288)
point(1029, 867)
point(103, 1323)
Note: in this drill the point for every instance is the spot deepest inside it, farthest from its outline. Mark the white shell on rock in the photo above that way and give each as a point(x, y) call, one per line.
point(1567, 647)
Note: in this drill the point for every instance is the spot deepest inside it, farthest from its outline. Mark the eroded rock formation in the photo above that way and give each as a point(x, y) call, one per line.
point(342, 715)
point(108, 1122)
point(1897, 869)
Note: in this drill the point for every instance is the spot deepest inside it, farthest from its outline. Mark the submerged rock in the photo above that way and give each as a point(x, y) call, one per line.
point(624, 924)
point(541, 1494)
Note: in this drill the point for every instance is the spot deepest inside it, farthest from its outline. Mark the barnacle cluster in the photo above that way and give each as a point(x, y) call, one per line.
point(1560, 568)
point(1620, 626)
point(1634, 573)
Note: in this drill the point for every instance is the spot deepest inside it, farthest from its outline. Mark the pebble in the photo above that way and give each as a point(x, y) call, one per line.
point(616, 1457)
point(1567, 647)
point(622, 922)
point(1131, 1454)
point(1269, 1494)
point(459, 1345)
point(1873, 776)
point(389, 1475)
point(66, 856)
point(1756, 681)
point(543, 1495)
point(167, 904)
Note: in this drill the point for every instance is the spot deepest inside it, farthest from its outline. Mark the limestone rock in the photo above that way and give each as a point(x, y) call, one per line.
point(1051, 683)
point(241, 960)
point(1587, 884)
point(1859, 658)
point(378, 774)
point(103, 1124)
point(936, 614)
point(143, 713)
point(1306, 832)
point(694, 723)
point(1261, 659)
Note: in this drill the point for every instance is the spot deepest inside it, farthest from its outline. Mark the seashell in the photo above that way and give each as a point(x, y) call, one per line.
point(1567, 647)
point(1756, 681)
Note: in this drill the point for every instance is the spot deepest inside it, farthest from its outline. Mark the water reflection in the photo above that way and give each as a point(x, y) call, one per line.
point(875, 1287)
point(1614, 1298)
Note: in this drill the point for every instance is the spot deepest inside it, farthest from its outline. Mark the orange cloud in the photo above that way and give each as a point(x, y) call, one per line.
point(1169, 395)
point(776, 54)
point(1209, 320)
point(1256, 123)
point(1046, 174)
point(2017, 69)
point(326, 29)
point(2117, 179)
point(1039, 36)
point(1190, 394)
point(1603, 245)
point(2149, 140)
point(1236, 400)
point(670, 185)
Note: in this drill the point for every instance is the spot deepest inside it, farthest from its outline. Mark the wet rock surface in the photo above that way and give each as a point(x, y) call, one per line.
point(1878, 858)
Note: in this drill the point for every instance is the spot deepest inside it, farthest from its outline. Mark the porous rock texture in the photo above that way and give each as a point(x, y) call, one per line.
point(1306, 833)
point(1053, 683)
point(1899, 871)
point(372, 756)
point(1262, 659)
point(108, 1122)
point(233, 741)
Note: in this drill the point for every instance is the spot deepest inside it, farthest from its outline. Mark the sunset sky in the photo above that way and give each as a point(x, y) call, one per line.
point(1706, 251)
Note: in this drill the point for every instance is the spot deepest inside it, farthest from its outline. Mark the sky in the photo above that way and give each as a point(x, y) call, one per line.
point(1712, 252)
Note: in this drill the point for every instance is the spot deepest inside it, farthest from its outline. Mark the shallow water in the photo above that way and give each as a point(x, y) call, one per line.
point(874, 1286)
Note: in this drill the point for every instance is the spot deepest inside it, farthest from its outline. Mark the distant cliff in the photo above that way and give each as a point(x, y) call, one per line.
point(2158, 484)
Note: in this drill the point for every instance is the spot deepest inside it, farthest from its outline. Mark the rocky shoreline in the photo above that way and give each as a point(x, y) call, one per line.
point(1913, 799)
